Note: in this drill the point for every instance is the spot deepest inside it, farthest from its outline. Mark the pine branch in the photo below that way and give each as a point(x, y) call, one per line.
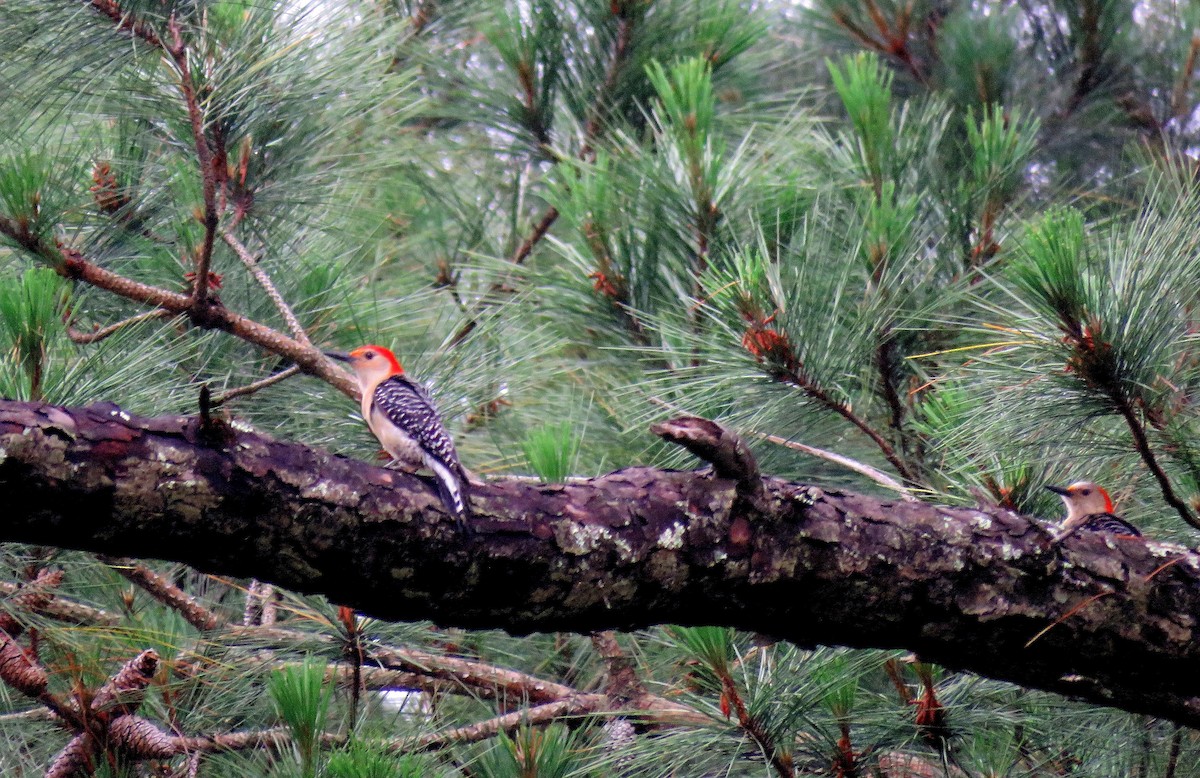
point(1142, 444)
point(630, 549)
point(781, 761)
point(893, 43)
point(72, 264)
point(268, 286)
point(204, 157)
point(592, 127)
point(508, 723)
point(167, 593)
point(127, 22)
point(65, 610)
point(592, 130)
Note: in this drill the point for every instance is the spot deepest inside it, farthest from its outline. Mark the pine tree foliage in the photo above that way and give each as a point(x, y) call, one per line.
point(955, 241)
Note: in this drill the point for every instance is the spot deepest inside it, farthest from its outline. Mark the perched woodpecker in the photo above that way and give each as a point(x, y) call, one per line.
point(1089, 508)
point(401, 414)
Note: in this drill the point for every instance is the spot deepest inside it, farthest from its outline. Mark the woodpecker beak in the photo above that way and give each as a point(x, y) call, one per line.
point(340, 356)
point(1061, 491)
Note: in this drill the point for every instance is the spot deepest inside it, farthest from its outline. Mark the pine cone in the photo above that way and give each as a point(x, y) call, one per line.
point(140, 738)
point(123, 693)
point(19, 670)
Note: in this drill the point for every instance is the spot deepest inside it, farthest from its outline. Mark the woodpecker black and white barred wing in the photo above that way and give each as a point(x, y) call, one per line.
point(1107, 522)
point(408, 406)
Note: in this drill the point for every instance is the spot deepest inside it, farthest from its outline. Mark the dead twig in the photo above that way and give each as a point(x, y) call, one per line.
point(878, 476)
point(510, 722)
point(260, 275)
point(251, 388)
point(100, 333)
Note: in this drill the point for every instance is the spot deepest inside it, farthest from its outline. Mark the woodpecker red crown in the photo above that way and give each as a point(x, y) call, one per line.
point(378, 352)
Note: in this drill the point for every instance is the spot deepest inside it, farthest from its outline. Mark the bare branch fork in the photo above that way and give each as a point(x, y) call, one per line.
point(965, 588)
point(72, 264)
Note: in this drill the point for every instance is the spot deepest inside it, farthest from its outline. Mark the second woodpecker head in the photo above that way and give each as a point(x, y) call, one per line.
point(1083, 498)
point(371, 363)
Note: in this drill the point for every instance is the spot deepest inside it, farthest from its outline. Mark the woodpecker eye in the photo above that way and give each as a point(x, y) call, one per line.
point(1085, 492)
point(369, 355)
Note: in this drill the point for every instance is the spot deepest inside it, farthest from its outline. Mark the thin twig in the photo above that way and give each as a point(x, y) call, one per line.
point(1091, 54)
point(1173, 757)
point(263, 383)
point(260, 275)
point(878, 476)
point(204, 156)
point(100, 334)
point(885, 353)
point(1142, 444)
point(1180, 107)
point(1078, 607)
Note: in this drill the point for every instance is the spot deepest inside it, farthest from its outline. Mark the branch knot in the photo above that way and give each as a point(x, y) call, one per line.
point(729, 455)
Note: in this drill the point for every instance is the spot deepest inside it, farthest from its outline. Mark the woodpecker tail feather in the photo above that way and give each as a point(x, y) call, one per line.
point(453, 491)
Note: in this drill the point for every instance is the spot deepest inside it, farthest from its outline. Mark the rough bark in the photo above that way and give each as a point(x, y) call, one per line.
point(971, 589)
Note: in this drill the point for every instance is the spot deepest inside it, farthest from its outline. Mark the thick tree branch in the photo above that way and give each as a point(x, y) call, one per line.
point(965, 588)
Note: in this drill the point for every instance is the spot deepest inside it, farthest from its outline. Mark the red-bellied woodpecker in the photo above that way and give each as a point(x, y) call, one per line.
point(1089, 508)
point(401, 414)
